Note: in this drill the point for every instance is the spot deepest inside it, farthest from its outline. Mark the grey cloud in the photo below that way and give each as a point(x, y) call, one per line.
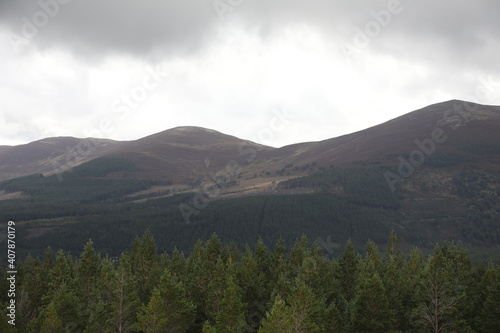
point(154, 27)
point(129, 26)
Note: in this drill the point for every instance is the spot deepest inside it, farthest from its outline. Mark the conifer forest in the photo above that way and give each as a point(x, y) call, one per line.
point(219, 288)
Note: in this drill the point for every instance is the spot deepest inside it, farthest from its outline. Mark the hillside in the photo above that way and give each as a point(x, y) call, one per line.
point(50, 155)
point(433, 175)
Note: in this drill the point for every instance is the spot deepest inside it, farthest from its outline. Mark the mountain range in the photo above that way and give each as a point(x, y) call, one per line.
point(431, 174)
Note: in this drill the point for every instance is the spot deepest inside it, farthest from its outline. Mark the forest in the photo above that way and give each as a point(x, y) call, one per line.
point(220, 288)
point(352, 203)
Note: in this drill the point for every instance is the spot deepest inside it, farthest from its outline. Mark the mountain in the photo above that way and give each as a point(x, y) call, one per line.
point(463, 124)
point(50, 155)
point(433, 175)
point(186, 154)
point(183, 154)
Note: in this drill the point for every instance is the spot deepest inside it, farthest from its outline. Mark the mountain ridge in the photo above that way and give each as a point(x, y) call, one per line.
point(185, 153)
point(432, 175)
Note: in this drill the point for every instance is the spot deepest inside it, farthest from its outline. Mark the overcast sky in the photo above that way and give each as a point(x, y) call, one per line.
point(272, 71)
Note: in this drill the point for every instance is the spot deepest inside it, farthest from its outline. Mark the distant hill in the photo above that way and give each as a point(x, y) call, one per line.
point(432, 174)
point(185, 154)
point(464, 124)
point(50, 155)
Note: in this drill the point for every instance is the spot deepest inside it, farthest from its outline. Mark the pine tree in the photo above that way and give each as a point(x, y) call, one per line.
point(216, 288)
point(414, 267)
point(440, 296)
point(399, 292)
point(32, 288)
point(198, 276)
point(279, 319)
point(152, 318)
point(144, 265)
point(62, 271)
point(98, 318)
point(180, 311)
point(298, 253)
point(208, 328)
point(371, 308)
point(488, 319)
point(373, 257)
point(87, 284)
point(213, 248)
point(65, 305)
point(392, 244)
point(102, 308)
point(231, 317)
point(254, 289)
point(308, 311)
point(52, 322)
point(263, 258)
point(348, 266)
point(321, 274)
point(168, 309)
point(125, 300)
point(178, 263)
point(281, 272)
point(88, 269)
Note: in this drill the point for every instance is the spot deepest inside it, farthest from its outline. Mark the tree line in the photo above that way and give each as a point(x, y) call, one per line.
point(220, 288)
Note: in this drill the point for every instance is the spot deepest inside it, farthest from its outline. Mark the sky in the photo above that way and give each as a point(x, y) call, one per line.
point(276, 72)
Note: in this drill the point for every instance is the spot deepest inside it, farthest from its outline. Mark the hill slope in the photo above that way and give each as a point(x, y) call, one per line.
point(432, 175)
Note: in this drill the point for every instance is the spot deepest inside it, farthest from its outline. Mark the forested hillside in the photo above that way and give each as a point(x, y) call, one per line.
point(219, 288)
point(332, 203)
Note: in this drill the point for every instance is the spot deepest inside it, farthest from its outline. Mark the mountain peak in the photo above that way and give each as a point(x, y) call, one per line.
point(191, 129)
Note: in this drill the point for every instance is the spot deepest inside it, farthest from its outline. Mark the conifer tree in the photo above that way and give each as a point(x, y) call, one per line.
point(279, 319)
point(88, 269)
point(65, 304)
point(31, 290)
point(440, 296)
point(298, 253)
point(414, 267)
point(144, 264)
point(198, 276)
point(322, 276)
point(231, 317)
point(348, 266)
point(253, 284)
point(208, 328)
point(153, 318)
point(62, 271)
point(488, 316)
point(98, 318)
point(177, 264)
point(373, 257)
point(87, 284)
point(52, 322)
point(216, 288)
point(213, 248)
point(399, 292)
point(263, 258)
point(371, 312)
point(125, 300)
point(168, 309)
point(101, 309)
point(392, 244)
point(281, 273)
point(180, 311)
point(308, 311)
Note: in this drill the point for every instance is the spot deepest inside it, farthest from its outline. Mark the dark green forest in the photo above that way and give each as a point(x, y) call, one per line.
point(220, 288)
point(333, 203)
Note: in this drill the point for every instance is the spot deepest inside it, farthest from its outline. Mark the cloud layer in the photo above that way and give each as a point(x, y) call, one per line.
point(340, 65)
